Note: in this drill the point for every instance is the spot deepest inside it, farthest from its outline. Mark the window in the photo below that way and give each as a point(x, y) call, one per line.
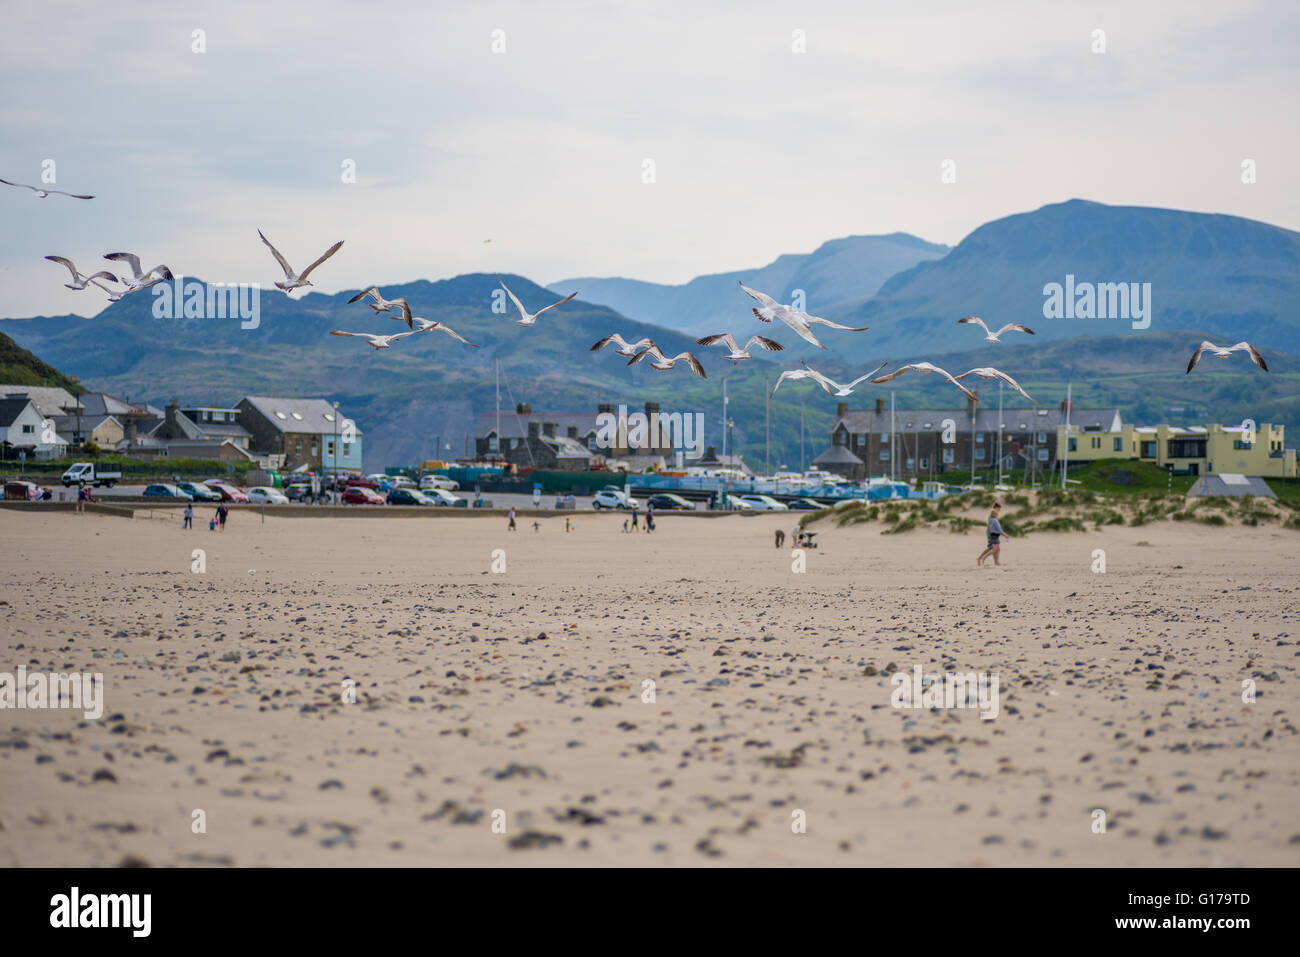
point(947, 456)
point(347, 449)
point(925, 464)
point(911, 462)
point(1074, 445)
point(591, 443)
point(1042, 437)
point(1096, 443)
point(329, 448)
point(884, 455)
point(28, 429)
point(979, 436)
point(280, 415)
point(1042, 455)
point(313, 448)
point(884, 438)
point(1186, 448)
point(1119, 445)
point(979, 455)
point(297, 415)
point(492, 443)
point(1148, 450)
point(329, 416)
point(1238, 444)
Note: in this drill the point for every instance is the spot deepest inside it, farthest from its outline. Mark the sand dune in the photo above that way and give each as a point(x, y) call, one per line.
point(522, 692)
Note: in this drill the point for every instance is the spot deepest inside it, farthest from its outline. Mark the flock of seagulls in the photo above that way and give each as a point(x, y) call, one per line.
point(768, 310)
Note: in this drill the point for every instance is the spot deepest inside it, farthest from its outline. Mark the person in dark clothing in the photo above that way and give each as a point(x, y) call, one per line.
point(222, 512)
point(995, 535)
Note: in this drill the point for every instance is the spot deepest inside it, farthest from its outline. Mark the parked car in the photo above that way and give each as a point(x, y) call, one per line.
point(763, 503)
point(87, 473)
point(297, 491)
point(166, 491)
point(610, 497)
point(358, 482)
point(409, 496)
point(804, 505)
point(200, 493)
point(402, 481)
point(440, 496)
point(438, 481)
point(228, 492)
point(738, 504)
point(668, 502)
point(266, 495)
point(360, 495)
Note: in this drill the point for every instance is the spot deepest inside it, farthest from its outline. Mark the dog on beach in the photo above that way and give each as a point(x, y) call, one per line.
point(780, 538)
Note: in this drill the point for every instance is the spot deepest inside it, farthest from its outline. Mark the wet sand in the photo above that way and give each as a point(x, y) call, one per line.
point(522, 692)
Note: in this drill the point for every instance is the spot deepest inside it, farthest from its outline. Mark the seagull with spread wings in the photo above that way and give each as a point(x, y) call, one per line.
point(380, 305)
point(530, 317)
point(41, 192)
point(988, 372)
point(293, 280)
point(923, 367)
point(796, 320)
point(1222, 352)
point(625, 348)
point(78, 280)
point(830, 385)
point(663, 363)
point(139, 280)
point(427, 325)
point(737, 353)
point(993, 336)
point(381, 342)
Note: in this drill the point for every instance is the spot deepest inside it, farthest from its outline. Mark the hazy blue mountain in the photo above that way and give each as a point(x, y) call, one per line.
point(1227, 276)
point(838, 273)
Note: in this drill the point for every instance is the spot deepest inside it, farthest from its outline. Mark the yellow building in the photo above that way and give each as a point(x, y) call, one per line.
point(1196, 450)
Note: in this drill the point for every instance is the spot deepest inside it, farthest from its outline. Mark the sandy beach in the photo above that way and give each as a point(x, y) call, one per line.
point(525, 692)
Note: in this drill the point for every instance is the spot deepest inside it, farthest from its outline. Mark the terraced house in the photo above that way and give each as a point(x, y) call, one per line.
point(1192, 450)
point(909, 443)
point(290, 433)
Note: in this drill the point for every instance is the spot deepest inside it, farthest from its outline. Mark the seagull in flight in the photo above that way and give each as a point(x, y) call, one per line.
point(293, 280)
point(381, 342)
point(139, 280)
point(426, 325)
point(380, 305)
point(78, 280)
point(796, 320)
point(988, 372)
point(737, 353)
point(1221, 352)
point(530, 317)
point(41, 192)
point(625, 348)
point(664, 363)
point(993, 336)
point(924, 367)
point(830, 385)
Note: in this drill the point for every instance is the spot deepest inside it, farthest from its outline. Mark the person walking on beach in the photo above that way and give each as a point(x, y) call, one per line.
point(222, 512)
point(511, 515)
point(649, 518)
point(995, 535)
point(189, 517)
point(634, 515)
point(81, 498)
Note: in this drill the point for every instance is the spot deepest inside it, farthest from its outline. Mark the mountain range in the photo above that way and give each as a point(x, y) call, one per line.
point(1216, 276)
point(836, 276)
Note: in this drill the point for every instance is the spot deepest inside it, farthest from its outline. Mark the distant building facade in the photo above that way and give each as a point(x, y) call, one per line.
point(1194, 450)
point(292, 433)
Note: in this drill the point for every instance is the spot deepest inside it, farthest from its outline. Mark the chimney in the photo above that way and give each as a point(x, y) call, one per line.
point(973, 405)
point(523, 408)
point(711, 454)
point(880, 406)
point(533, 429)
point(548, 429)
point(841, 409)
point(572, 432)
point(1066, 406)
point(605, 408)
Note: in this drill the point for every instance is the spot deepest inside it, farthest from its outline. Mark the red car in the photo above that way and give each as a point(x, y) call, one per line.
point(228, 492)
point(362, 483)
point(359, 495)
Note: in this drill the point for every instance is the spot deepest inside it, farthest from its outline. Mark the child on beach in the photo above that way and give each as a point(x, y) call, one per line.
point(995, 535)
point(511, 516)
point(189, 517)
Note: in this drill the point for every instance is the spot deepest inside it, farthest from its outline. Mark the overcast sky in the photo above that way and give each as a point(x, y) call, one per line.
point(758, 150)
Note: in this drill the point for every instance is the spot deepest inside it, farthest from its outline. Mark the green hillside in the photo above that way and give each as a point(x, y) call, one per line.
point(20, 367)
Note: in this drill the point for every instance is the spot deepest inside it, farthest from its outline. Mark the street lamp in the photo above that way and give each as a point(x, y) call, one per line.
point(336, 444)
